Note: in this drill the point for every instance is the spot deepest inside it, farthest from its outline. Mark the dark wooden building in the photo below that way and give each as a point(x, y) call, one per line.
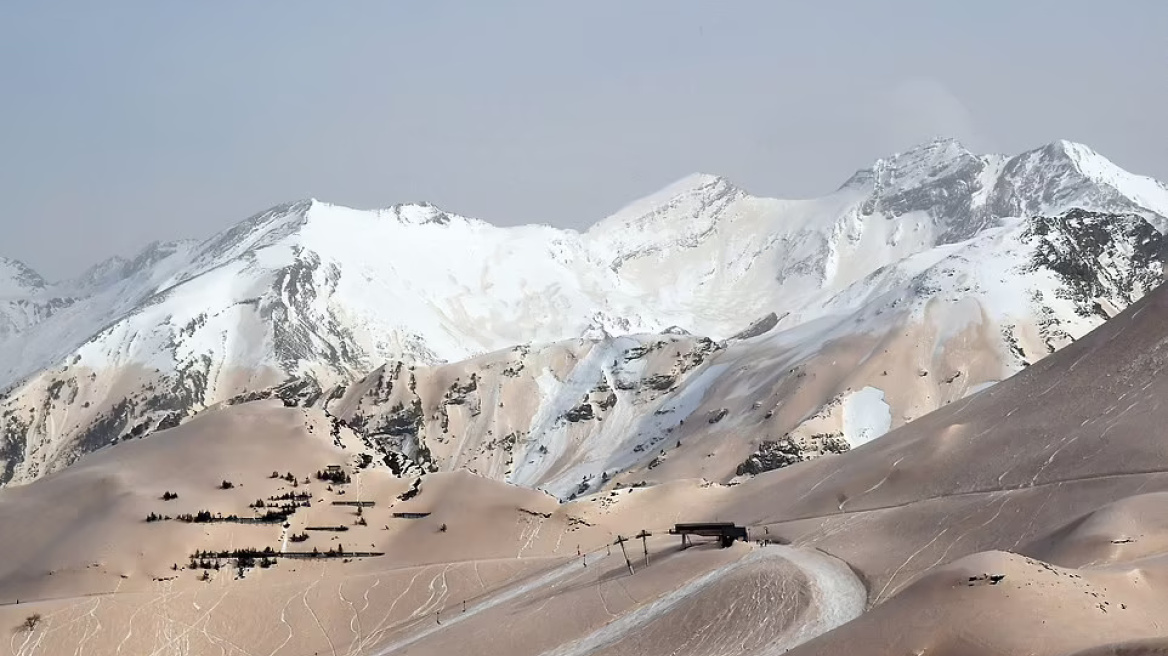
point(726, 532)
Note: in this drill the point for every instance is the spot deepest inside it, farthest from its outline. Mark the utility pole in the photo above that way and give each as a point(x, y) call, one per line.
point(621, 540)
point(644, 544)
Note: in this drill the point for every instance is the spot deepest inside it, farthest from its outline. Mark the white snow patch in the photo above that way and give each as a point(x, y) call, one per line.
point(867, 416)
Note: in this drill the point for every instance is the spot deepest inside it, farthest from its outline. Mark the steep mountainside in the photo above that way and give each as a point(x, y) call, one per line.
point(936, 270)
point(68, 314)
point(1062, 466)
point(569, 417)
point(20, 306)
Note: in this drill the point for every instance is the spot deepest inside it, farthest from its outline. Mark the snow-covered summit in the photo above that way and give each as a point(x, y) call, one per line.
point(1148, 193)
point(118, 269)
point(922, 164)
point(17, 279)
point(684, 196)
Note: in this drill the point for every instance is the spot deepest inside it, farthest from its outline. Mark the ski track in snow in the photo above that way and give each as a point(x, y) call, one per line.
point(839, 597)
point(566, 570)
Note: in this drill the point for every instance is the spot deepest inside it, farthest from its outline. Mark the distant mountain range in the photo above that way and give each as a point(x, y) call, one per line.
point(700, 331)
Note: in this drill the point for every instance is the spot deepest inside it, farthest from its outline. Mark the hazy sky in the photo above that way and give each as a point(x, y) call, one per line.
point(126, 122)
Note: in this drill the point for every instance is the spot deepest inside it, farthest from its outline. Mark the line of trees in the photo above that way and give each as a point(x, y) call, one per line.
point(338, 476)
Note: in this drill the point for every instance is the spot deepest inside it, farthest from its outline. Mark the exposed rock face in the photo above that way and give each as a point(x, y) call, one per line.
point(771, 455)
point(295, 392)
point(1106, 261)
point(787, 451)
point(524, 413)
point(940, 178)
point(760, 327)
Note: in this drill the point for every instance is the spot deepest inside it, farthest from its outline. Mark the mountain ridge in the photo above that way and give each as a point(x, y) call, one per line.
point(943, 151)
point(313, 290)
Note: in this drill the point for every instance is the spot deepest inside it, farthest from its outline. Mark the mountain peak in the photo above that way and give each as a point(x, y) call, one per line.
point(1075, 153)
point(698, 191)
point(936, 144)
point(697, 180)
point(17, 278)
point(257, 231)
point(703, 183)
point(928, 156)
point(1081, 168)
point(918, 165)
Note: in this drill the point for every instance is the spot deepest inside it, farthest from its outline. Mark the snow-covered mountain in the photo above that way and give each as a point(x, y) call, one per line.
point(20, 302)
point(17, 280)
point(927, 330)
point(938, 268)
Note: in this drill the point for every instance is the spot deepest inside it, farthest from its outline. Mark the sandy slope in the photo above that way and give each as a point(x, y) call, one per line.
point(1063, 462)
point(752, 609)
point(488, 555)
point(1037, 608)
point(1028, 518)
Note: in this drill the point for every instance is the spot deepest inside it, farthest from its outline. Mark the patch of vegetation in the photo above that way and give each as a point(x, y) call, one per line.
point(335, 476)
point(299, 497)
point(274, 515)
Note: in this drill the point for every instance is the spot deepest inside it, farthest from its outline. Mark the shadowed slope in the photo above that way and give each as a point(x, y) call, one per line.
point(1062, 461)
